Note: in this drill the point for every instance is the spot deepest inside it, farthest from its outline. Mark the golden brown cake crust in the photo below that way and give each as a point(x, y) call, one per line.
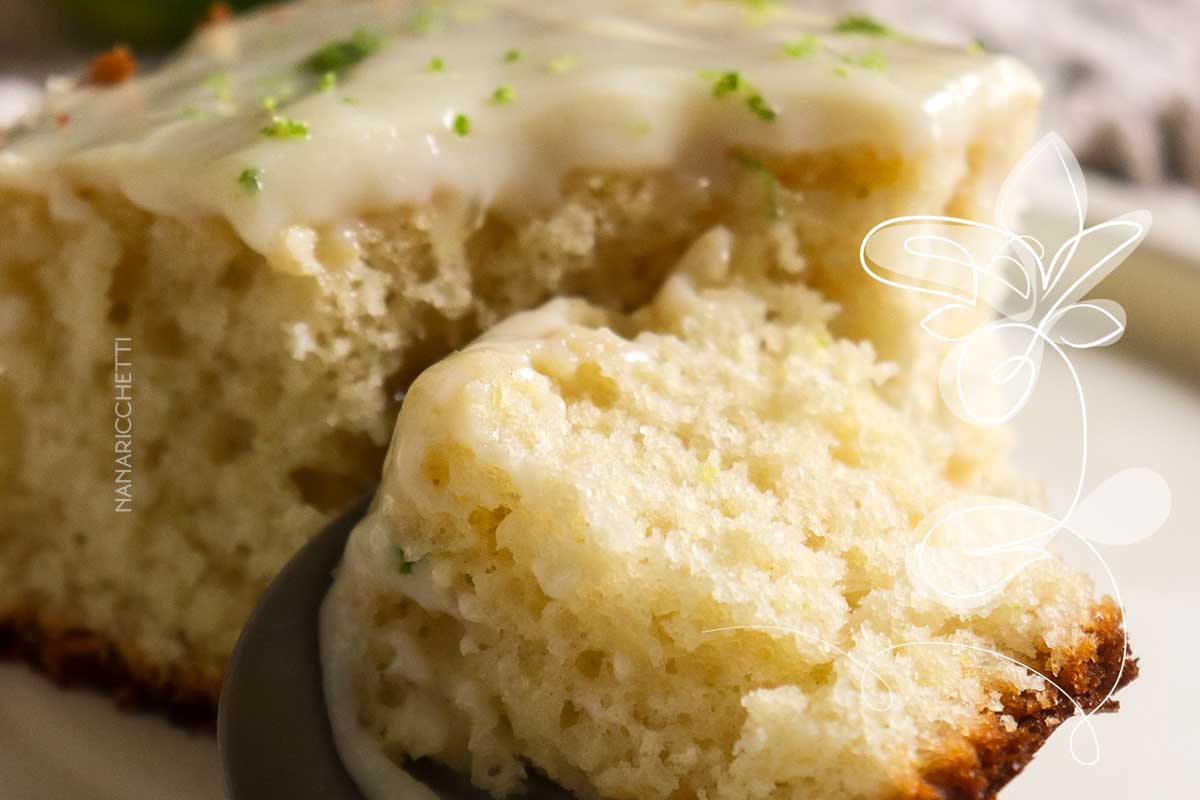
point(75, 657)
point(976, 770)
point(992, 755)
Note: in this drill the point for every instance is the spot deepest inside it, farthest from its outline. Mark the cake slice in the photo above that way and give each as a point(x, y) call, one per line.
point(288, 221)
point(663, 555)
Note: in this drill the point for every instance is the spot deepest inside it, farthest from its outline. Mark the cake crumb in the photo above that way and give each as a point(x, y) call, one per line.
point(112, 67)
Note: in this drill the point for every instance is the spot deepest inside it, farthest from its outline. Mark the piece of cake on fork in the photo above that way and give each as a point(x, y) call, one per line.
point(666, 555)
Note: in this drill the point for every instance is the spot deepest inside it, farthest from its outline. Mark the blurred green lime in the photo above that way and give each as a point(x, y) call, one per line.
point(141, 23)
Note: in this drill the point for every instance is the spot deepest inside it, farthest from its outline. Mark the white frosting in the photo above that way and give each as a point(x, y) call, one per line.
point(341, 655)
point(637, 94)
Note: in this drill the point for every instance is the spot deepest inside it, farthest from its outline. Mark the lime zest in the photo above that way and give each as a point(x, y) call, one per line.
point(503, 95)
point(862, 24)
point(221, 85)
point(344, 53)
point(564, 63)
point(803, 47)
point(281, 127)
point(727, 83)
point(403, 565)
point(250, 179)
point(761, 108)
point(771, 185)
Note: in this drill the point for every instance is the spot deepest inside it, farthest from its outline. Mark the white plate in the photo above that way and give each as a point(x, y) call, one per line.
point(1143, 402)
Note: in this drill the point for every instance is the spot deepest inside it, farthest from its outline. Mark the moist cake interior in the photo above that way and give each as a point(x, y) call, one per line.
point(288, 223)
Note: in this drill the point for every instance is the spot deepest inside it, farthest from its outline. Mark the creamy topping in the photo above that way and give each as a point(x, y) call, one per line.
point(314, 112)
point(375, 773)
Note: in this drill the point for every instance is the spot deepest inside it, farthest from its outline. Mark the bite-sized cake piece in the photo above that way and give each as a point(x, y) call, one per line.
point(663, 555)
point(288, 221)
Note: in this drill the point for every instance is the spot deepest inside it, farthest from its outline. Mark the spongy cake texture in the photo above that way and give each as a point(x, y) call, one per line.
point(651, 554)
point(266, 368)
point(265, 386)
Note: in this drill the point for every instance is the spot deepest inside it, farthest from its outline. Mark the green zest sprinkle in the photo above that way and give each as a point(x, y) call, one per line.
point(640, 126)
point(976, 46)
point(803, 47)
point(727, 83)
point(423, 21)
point(285, 128)
point(860, 23)
point(872, 60)
point(761, 108)
point(251, 180)
point(345, 53)
point(221, 85)
point(436, 64)
point(270, 103)
point(327, 81)
point(512, 56)
point(841, 71)
point(772, 186)
point(503, 95)
point(350, 100)
point(404, 566)
point(191, 112)
point(563, 63)
point(461, 124)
